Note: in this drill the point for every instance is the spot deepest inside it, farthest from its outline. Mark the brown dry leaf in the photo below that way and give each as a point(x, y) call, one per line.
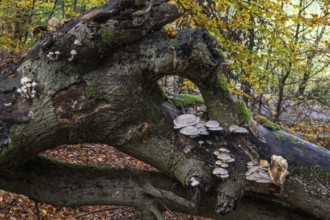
point(38, 29)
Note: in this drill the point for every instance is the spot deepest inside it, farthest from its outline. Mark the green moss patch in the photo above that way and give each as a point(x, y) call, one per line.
point(279, 137)
point(244, 111)
point(315, 173)
point(223, 86)
point(15, 140)
point(92, 92)
point(108, 37)
point(186, 100)
point(267, 123)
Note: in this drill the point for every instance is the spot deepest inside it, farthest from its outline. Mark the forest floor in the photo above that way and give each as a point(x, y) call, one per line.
point(18, 207)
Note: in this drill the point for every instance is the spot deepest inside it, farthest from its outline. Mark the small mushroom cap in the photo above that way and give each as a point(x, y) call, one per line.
point(200, 124)
point(25, 80)
point(253, 177)
point(223, 149)
point(263, 181)
point(263, 168)
point(253, 169)
point(57, 52)
point(34, 84)
point(192, 178)
point(225, 165)
point(252, 163)
point(218, 162)
point(230, 160)
point(223, 156)
point(29, 85)
point(19, 90)
point(237, 129)
point(186, 120)
point(203, 132)
point(248, 173)
point(263, 174)
point(216, 128)
point(212, 124)
point(201, 142)
point(203, 128)
point(51, 53)
point(190, 130)
point(220, 171)
point(216, 152)
point(195, 183)
point(77, 42)
point(224, 176)
point(73, 52)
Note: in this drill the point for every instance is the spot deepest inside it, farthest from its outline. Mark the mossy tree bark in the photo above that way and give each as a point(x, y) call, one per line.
point(108, 93)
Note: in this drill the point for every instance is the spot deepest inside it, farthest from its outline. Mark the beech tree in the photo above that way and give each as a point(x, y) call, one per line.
point(95, 81)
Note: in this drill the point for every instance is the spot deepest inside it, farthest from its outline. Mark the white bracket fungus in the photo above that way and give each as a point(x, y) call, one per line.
point(53, 55)
point(191, 125)
point(28, 88)
point(221, 172)
point(213, 125)
point(190, 131)
point(194, 182)
point(73, 54)
point(237, 129)
point(257, 171)
point(224, 158)
point(278, 170)
point(186, 120)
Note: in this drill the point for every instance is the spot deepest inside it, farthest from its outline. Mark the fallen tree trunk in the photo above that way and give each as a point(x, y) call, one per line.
point(107, 92)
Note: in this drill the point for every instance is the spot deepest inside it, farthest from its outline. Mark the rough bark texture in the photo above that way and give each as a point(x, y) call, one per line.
point(108, 94)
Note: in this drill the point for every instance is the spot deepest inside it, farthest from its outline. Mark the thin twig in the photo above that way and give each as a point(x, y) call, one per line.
point(94, 211)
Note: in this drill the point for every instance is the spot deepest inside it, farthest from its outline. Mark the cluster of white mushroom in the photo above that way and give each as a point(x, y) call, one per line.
point(224, 158)
point(258, 171)
point(73, 52)
point(193, 181)
point(53, 55)
point(191, 125)
point(28, 88)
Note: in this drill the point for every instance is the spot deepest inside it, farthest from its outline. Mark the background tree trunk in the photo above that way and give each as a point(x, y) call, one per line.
point(108, 93)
